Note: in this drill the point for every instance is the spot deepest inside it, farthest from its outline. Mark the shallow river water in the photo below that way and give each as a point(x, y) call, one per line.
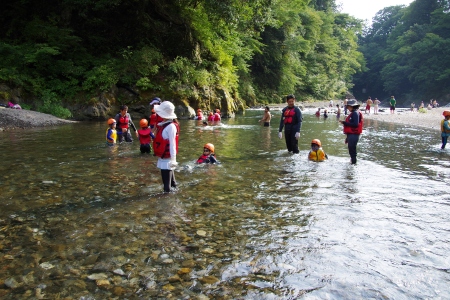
point(79, 220)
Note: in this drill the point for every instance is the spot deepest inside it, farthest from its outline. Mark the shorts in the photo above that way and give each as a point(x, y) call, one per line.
point(392, 107)
point(266, 124)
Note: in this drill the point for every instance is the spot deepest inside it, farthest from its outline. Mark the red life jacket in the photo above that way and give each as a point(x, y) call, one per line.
point(161, 146)
point(144, 136)
point(155, 119)
point(204, 159)
point(354, 130)
point(123, 121)
point(289, 115)
point(216, 117)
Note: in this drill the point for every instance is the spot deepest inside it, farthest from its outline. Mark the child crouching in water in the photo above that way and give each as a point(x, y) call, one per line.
point(317, 153)
point(145, 136)
point(111, 133)
point(208, 155)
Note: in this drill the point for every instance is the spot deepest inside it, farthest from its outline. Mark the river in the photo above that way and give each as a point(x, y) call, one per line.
point(79, 220)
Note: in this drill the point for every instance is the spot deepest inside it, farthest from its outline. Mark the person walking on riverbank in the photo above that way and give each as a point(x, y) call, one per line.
point(445, 128)
point(124, 122)
point(392, 103)
point(165, 144)
point(291, 120)
point(376, 102)
point(368, 105)
point(267, 117)
point(353, 125)
point(338, 111)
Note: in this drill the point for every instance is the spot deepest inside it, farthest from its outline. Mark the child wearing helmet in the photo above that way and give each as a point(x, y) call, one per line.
point(445, 128)
point(317, 153)
point(199, 115)
point(111, 133)
point(145, 136)
point(208, 156)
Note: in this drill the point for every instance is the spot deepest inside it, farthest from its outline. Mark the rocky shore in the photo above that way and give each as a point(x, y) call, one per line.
point(21, 118)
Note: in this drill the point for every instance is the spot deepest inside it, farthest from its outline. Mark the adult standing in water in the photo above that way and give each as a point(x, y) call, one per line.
point(124, 122)
point(267, 117)
point(165, 144)
point(291, 120)
point(353, 128)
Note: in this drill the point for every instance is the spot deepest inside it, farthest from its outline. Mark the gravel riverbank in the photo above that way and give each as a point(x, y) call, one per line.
point(21, 118)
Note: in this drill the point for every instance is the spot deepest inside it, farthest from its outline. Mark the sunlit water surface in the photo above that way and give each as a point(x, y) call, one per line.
point(81, 220)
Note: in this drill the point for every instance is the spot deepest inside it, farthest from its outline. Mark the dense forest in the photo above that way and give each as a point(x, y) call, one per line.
point(217, 53)
point(203, 53)
point(407, 53)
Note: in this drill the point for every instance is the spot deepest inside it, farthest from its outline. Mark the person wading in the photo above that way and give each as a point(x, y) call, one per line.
point(291, 120)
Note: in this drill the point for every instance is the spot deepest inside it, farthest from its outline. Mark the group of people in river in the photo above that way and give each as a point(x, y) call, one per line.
point(160, 133)
point(163, 130)
point(291, 121)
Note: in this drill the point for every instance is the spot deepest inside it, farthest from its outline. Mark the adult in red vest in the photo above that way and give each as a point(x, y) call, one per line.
point(353, 125)
point(291, 120)
point(165, 144)
point(124, 122)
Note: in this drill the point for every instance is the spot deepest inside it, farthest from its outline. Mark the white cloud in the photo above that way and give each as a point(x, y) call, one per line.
point(366, 9)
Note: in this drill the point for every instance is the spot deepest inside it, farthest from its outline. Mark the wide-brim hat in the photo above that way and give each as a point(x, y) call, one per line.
point(352, 102)
point(166, 110)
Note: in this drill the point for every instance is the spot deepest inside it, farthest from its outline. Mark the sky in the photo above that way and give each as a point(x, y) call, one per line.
point(366, 9)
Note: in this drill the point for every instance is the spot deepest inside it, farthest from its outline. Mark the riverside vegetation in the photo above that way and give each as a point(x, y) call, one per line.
point(84, 58)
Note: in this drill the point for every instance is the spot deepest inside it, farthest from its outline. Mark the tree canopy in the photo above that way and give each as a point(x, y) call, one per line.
point(407, 52)
point(203, 52)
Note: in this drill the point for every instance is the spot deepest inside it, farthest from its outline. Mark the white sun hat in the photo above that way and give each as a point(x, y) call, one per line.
point(166, 110)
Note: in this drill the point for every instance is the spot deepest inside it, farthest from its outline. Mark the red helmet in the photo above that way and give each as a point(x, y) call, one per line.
point(210, 147)
point(317, 142)
point(111, 121)
point(199, 110)
point(446, 113)
point(143, 123)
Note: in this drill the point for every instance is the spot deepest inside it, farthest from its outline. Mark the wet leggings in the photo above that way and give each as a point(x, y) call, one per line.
point(352, 141)
point(168, 178)
point(444, 141)
point(291, 141)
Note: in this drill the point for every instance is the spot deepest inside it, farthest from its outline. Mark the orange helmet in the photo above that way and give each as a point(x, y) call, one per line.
point(317, 142)
point(199, 109)
point(446, 113)
point(111, 121)
point(143, 123)
point(210, 147)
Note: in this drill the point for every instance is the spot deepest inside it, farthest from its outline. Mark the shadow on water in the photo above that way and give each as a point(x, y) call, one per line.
point(83, 220)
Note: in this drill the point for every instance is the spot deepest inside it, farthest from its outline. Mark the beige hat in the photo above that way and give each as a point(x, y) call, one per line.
point(166, 110)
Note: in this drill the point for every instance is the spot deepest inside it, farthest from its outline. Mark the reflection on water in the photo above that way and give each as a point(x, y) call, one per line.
point(79, 219)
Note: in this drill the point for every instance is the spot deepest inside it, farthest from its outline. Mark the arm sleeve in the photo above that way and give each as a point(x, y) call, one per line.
point(280, 129)
point(172, 133)
point(108, 136)
point(300, 119)
point(212, 159)
point(131, 123)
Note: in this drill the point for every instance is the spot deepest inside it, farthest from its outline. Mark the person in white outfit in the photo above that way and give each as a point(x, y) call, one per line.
point(165, 144)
